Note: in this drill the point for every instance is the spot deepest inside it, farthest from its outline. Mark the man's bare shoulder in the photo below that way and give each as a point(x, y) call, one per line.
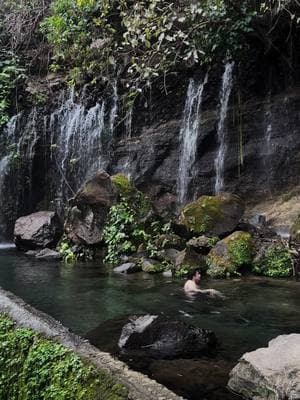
point(190, 286)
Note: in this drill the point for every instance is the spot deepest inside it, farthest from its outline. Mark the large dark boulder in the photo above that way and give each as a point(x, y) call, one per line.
point(160, 337)
point(89, 208)
point(38, 230)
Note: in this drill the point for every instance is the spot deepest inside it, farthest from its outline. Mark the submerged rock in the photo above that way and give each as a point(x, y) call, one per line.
point(160, 337)
point(270, 373)
point(127, 268)
point(198, 378)
point(48, 255)
point(89, 208)
point(213, 215)
point(152, 266)
point(38, 230)
point(229, 254)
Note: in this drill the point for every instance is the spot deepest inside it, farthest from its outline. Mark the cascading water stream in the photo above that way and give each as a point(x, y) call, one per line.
point(70, 144)
point(76, 142)
point(227, 81)
point(114, 108)
point(189, 135)
point(268, 126)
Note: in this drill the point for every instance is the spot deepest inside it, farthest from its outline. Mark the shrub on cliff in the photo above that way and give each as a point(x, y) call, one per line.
point(142, 40)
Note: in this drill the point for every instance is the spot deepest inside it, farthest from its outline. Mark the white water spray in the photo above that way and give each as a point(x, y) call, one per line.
point(227, 81)
point(189, 135)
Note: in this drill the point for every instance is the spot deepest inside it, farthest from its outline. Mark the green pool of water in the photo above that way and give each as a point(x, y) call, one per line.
point(84, 296)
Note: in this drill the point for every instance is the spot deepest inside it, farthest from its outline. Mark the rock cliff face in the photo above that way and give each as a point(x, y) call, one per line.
point(270, 150)
point(53, 149)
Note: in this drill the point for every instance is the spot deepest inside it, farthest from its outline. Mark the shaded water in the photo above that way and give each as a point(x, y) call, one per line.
point(84, 296)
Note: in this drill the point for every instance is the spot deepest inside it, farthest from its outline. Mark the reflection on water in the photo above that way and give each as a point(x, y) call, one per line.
point(84, 296)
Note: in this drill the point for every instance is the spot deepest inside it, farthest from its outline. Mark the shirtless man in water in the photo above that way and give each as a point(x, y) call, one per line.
point(192, 285)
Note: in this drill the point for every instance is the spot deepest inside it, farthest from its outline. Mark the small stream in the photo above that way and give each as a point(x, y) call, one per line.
point(84, 296)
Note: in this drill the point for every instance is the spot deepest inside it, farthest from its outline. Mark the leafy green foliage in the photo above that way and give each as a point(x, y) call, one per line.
point(129, 227)
point(276, 262)
point(65, 249)
point(72, 253)
point(121, 231)
point(182, 271)
point(34, 368)
point(212, 241)
point(241, 249)
point(142, 40)
point(11, 73)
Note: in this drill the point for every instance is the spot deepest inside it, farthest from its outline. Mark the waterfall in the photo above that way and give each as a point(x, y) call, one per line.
point(11, 148)
point(76, 142)
point(128, 123)
point(227, 81)
point(114, 108)
point(268, 125)
point(189, 134)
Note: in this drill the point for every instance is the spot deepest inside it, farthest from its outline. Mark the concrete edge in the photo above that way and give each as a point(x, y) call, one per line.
point(140, 386)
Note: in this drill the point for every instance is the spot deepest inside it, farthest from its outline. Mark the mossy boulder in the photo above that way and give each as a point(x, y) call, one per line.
point(212, 215)
point(274, 260)
point(152, 266)
point(295, 231)
point(229, 254)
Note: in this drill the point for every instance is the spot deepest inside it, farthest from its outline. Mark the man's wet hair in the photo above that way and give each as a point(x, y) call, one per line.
point(193, 273)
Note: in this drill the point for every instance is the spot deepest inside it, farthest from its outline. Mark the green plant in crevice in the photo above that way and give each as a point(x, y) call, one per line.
point(276, 262)
point(123, 232)
point(65, 249)
point(240, 249)
point(212, 241)
point(182, 271)
point(130, 224)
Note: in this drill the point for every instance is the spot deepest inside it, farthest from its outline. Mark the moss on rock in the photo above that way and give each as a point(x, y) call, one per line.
point(33, 367)
point(213, 215)
point(123, 185)
point(230, 254)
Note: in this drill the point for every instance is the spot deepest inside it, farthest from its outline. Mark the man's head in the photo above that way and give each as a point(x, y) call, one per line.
point(195, 276)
